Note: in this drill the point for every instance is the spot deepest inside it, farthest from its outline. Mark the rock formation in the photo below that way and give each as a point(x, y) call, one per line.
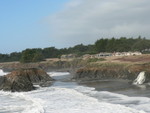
point(101, 73)
point(23, 80)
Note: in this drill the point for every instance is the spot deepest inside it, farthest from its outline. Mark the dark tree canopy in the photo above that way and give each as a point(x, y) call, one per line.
point(31, 55)
point(122, 44)
point(10, 57)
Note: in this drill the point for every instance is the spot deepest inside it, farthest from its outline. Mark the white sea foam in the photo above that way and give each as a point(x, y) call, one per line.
point(60, 75)
point(140, 79)
point(20, 103)
point(63, 98)
point(56, 74)
point(138, 103)
point(2, 72)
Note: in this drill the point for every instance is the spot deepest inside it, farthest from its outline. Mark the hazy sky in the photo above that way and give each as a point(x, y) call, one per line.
point(63, 23)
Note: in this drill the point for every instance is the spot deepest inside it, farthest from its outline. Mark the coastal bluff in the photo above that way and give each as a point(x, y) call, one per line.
point(24, 80)
point(87, 69)
point(112, 71)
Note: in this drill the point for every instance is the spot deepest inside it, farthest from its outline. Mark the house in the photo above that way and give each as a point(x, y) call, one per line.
point(126, 53)
point(103, 55)
point(121, 54)
point(136, 53)
point(146, 50)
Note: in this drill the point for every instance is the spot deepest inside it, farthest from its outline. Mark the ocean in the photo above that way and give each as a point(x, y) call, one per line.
point(70, 97)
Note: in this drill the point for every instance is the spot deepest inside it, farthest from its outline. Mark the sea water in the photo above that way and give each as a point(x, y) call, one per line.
point(69, 97)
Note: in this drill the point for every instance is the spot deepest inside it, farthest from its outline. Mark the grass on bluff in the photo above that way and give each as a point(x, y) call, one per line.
point(95, 60)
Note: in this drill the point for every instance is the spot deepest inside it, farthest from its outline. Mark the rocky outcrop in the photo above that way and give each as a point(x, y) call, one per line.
point(18, 83)
point(112, 72)
point(23, 80)
point(99, 74)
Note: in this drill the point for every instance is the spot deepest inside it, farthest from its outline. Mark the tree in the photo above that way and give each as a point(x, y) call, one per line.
point(15, 56)
point(101, 45)
point(141, 45)
point(50, 52)
point(111, 45)
point(37, 57)
point(31, 55)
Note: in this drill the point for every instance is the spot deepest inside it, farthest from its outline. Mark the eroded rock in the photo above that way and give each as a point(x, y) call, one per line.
point(23, 80)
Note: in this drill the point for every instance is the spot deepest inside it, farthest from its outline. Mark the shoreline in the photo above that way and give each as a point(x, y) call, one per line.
point(119, 86)
point(84, 70)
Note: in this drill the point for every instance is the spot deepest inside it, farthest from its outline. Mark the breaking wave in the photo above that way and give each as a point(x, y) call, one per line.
point(68, 97)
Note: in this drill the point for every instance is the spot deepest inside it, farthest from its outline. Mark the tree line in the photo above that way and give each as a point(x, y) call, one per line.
point(122, 44)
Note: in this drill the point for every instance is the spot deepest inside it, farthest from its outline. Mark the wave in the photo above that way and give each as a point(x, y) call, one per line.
point(138, 103)
point(60, 75)
point(20, 103)
point(68, 97)
point(140, 78)
point(62, 100)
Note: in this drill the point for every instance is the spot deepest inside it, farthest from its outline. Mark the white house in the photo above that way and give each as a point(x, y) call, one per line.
point(103, 55)
point(126, 53)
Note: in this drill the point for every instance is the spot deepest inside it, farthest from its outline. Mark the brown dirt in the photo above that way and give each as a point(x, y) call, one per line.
point(134, 59)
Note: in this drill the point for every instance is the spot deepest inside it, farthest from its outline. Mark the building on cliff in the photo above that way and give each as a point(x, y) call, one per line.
point(126, 53)
point(103, 55)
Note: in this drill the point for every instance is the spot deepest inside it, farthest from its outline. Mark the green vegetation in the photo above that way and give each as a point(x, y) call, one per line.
point(122, 44)
point(31, 55)
point(95, 59)
point(10, 57)
point(112, 65)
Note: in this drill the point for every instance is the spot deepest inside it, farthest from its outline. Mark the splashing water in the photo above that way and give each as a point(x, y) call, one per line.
point(140, 79)
point(2, 72)
point(68, 97)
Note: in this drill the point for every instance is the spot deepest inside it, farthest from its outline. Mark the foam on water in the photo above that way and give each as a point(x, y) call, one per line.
point(62, 100)
point(71, 98)
point(53, 74)
point(2, 72)
point(140, 79)
point(138, 103)
point(20, 103)
point(60, 75)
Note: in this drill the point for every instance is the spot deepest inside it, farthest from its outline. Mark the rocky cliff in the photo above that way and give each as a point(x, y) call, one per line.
point(112, 71)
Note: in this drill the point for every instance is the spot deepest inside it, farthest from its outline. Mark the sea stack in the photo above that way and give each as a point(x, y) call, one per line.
point(23, 80)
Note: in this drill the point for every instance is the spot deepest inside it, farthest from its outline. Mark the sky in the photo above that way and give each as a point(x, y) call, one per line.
point(65, 23)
